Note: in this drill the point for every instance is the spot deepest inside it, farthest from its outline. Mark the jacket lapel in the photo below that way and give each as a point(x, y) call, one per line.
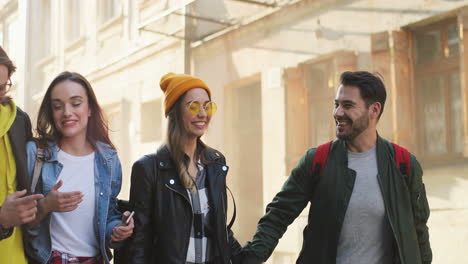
point(17, 136)
point(170, 177)
point(216, 176)
point(383, 158)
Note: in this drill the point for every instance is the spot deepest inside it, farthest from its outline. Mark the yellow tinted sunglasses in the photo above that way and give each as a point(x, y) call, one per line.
point(194, 108)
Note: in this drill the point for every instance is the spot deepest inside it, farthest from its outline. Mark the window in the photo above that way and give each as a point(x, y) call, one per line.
point(433, 114)
point(243, 131)
point(437, 76)
point(12, 42)
point(310, 93)
point(108, 9)
point(453, 45)
point(10, 39)
point(72, 20)
point(428, 46)
point(321, 93)
point(437, 43)
point(456, 121)
point(45, 27)
point(151, 121)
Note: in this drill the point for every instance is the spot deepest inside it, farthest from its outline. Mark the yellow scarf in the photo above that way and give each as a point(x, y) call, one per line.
point(11, 249)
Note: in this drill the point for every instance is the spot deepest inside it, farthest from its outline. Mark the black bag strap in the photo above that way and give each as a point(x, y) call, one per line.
point(233, 219)
point(37, 169)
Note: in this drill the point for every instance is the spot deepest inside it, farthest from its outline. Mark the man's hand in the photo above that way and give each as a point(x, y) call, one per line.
point(62, 201)
point(19, 209)
point(121, 231)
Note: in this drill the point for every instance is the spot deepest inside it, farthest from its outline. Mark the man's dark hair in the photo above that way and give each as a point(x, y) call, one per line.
point(5, 60)
point(370, 85)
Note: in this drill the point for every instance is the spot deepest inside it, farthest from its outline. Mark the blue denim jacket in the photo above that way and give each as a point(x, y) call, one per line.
point(108, 180)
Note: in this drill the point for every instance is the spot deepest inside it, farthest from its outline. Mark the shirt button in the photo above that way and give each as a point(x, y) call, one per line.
point(101, 193)
point(198, 233)
point(224, 168)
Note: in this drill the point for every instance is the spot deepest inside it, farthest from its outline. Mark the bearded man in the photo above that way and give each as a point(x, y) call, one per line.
point(363, 209)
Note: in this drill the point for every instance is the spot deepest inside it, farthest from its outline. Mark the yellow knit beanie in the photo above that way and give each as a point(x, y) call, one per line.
point(174, 85)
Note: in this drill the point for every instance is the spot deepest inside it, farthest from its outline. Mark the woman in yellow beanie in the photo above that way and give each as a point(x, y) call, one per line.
point(179, 192)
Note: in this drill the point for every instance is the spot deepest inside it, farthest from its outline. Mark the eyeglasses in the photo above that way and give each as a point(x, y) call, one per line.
point(194, 107)
point(6, 86)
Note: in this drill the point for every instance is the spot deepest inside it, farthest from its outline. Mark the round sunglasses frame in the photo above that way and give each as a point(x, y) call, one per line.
point(194, 108)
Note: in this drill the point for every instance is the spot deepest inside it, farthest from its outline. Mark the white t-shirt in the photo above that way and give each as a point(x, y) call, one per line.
point(74, 232)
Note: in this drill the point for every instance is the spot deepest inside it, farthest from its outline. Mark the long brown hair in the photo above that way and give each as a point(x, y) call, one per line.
point(97, 128)
point(5, 60)
point(177, 138)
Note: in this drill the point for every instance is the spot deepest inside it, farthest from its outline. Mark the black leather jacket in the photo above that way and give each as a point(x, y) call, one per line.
point(163, 213)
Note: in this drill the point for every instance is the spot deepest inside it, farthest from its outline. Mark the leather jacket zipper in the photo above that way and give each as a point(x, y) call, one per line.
point(225, 218)
point(191, 221)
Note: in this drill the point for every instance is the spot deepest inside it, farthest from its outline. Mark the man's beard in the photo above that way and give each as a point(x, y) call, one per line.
point(357, 127)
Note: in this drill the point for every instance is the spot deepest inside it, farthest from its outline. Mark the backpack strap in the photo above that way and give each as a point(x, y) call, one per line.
point(37, 169)
point(402, 159)
point(320, 158)
point(233, 219)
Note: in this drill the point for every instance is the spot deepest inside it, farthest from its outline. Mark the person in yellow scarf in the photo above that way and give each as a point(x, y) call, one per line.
point(16, 207)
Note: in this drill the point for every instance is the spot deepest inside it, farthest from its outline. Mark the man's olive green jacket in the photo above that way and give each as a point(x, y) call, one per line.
point(404, 198)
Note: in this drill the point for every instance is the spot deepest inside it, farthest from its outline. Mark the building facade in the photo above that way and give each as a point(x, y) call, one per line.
point(273, 67)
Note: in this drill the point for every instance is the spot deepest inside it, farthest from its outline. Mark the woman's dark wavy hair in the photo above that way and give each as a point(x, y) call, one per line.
point(97, 128)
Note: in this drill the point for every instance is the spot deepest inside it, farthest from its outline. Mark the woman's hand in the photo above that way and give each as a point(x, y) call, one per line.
point(56, 201)
point(62, 201)
point(122, 231)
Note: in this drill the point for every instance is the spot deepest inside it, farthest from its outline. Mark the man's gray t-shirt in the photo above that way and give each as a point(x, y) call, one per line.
point(366, 235)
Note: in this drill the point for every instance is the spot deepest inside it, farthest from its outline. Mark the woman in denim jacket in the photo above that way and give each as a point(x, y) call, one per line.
point(77, 221)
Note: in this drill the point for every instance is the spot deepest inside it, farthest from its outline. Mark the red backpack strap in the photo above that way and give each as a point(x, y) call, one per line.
point(320, 158)
point(402, 159)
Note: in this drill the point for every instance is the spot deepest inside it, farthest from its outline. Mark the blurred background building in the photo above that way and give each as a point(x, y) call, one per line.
point(273, 67)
